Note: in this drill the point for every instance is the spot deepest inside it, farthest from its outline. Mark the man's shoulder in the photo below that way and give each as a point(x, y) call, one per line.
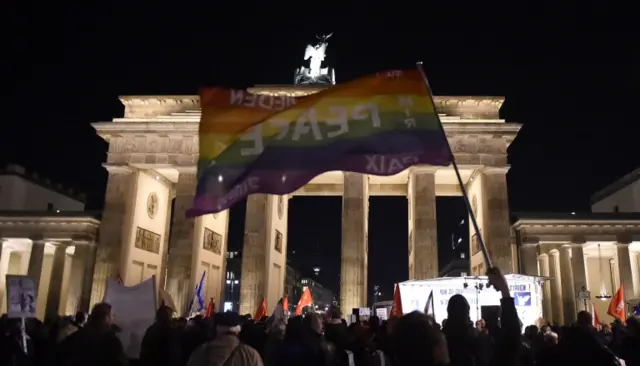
point(242, 347)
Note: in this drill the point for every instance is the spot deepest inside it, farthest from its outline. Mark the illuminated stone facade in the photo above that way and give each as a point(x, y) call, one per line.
point(597, 251)
point(153, 149)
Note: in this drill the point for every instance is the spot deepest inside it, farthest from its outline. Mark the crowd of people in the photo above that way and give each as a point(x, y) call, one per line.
point(228, 339)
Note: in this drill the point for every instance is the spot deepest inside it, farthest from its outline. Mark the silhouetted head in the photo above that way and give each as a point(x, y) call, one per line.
point(229, 322)
point(417, 342)
point(164, 314)
point(458, 309)
point(633, 326)
point(584, 319)
point(101, 314)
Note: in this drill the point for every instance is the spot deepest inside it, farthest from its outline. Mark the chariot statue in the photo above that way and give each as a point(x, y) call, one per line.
point(315, 74)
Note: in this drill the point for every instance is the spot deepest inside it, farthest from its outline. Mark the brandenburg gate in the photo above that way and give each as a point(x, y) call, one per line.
point(151, 162)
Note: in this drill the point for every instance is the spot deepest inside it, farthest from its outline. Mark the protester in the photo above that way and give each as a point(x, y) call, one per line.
point(161, 344)
point(228, 339)
point(226, 349)
point(96, 344)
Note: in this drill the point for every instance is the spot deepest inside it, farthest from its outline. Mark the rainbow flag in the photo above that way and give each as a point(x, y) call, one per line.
point(380, 124)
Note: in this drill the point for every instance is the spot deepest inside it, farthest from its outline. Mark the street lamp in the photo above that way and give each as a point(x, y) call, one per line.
point(376, 293)
point(232, 284)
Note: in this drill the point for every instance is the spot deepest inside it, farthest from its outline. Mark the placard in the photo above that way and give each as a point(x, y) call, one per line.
point(382, 313)
point(21, 297)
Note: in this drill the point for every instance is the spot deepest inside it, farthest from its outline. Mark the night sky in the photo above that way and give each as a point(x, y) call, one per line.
point(570, 76)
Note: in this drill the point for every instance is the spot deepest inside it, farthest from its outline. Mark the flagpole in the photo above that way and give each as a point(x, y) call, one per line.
point(474, 222)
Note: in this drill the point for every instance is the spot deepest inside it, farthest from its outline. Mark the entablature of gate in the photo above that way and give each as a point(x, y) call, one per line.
point(176, 144)
point(161, 132)
point(56, 227)
point(592, 227)
point(188, 106)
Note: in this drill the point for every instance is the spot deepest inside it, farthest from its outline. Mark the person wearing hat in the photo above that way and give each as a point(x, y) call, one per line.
point(226, 349)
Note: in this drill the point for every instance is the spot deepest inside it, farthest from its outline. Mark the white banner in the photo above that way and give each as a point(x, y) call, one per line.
point(134, 309)
point(526, 291)
point(21, 297)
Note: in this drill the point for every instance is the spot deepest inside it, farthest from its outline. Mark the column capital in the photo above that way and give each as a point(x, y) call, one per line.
point(423, 169)
point(623, 240)
point(496, 170)
point(186, 169)
point(158, 177)
point(61, 244)
point(82, 238)
point(578, 240)
point(36, 238)
point(118, 169)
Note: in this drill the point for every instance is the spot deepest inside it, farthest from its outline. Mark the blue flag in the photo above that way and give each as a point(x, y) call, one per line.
point(198, 296)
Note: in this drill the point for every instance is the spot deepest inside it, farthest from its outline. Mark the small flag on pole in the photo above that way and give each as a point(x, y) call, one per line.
point(305, 300)
point(279, 315)
point(596, 318)
point(261, 311)
point(617, 306)
point(285, 305)
point(429, 308)
point(198, 298)
point(211, 308)
point(396, 308)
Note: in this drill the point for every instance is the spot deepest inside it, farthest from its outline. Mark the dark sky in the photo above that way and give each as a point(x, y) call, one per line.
point(571, 75)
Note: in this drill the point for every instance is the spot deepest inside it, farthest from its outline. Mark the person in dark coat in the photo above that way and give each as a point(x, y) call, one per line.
point(161, 344)
point(630, 348)
point(96, 344)
point(462, 338)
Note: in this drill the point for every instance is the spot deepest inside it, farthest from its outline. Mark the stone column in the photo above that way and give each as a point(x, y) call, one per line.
point(423, 225)
point(567, 285)
point(624, 268)
point(76, 278)
point(556, 287)
point(114, 227)
point(255, 246)
point(543, 263)
point(181, 243)
point(82, 265)
point(35, 262)
point(353, 269)
point(579, 272)
point(163, 272)
point(529, 259)
point(5, 255)
point(89, 268)
point(495, 220)
point(634, 273)
point(52, 308)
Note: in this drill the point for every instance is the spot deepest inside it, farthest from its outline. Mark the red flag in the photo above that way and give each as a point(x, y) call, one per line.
point(596, 318)
point(305, 300)
point(396, 308)
point(211, 308)
point(616, 306)
point(261, 311)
